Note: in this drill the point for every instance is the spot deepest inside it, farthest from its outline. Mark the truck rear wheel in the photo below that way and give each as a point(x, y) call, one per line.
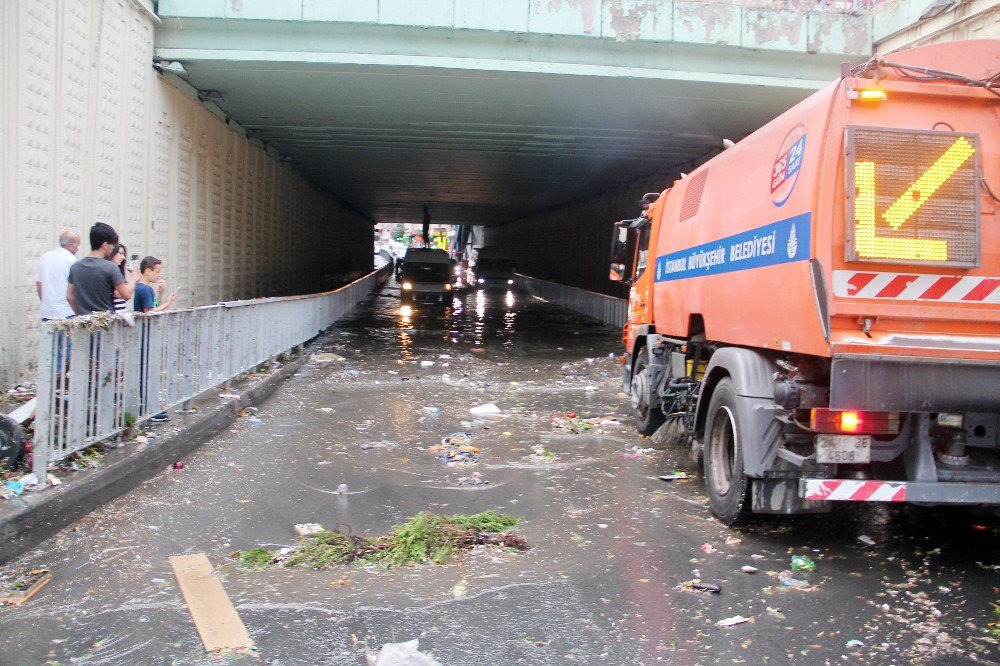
point(728, 487)
point(647, 416)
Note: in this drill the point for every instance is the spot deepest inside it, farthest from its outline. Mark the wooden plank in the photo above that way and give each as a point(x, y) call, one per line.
point(217, 621)
point(18, 597)
point(24, 412)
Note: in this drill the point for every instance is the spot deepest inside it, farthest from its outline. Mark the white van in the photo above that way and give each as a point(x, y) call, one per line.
point(426, 276)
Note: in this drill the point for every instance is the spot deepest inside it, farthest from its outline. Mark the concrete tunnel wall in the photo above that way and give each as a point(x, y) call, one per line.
point(89, 131)
point(571, 244)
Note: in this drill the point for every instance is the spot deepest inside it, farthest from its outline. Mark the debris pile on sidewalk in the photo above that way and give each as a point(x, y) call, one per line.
point(426, 537)
point(15, 487)
point(20, 393)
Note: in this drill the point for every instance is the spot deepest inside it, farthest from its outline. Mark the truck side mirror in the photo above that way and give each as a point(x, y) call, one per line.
point(619, 262)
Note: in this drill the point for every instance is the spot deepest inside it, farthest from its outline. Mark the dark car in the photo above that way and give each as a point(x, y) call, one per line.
point(494, 271)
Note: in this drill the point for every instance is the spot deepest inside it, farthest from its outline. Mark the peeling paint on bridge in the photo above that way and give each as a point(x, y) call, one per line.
point(746, 24)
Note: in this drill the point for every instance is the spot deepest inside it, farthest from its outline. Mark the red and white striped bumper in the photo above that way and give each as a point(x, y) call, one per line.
point(931, 492)
point(854, 491)
point(916, 287)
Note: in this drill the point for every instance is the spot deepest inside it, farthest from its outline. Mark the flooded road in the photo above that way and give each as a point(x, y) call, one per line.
point(612, 545)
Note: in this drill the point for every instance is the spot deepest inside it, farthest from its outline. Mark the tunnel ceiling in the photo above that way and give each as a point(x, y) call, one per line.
point(484, 127)
point(478, 147)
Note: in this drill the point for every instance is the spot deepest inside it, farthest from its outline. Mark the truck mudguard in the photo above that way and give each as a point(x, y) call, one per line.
point(752, 375)
point(638, 340)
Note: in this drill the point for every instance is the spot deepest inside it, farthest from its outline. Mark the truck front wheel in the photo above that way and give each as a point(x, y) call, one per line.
point(648, 416)
point(727, 485)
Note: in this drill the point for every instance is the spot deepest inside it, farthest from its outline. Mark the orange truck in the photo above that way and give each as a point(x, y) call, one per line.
point(817, 308)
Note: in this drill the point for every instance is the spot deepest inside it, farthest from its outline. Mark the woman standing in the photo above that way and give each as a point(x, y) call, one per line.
point(118, 259)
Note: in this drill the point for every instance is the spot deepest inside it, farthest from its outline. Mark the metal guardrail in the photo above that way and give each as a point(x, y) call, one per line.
point(99, 373)
point(602, 307)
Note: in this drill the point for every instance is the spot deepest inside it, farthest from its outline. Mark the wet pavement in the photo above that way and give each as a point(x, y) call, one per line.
point(611, 545)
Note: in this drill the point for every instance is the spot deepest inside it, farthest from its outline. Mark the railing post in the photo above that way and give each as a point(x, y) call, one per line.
point(45, 397)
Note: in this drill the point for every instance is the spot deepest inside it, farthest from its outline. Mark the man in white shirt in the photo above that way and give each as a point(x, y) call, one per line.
point(52, 276)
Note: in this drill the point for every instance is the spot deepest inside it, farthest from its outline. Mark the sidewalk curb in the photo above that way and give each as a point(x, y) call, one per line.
point(41, 517)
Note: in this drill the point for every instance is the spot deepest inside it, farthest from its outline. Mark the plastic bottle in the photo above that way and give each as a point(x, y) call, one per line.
point(802, 563)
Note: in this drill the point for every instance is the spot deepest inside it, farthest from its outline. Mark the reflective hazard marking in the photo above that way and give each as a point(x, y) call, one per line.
point(916, 287)
point(853, 491)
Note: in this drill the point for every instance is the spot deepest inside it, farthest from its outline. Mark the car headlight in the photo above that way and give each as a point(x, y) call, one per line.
point(407, 285)
point(480, 280)
point(447, 287)
point(510, 282)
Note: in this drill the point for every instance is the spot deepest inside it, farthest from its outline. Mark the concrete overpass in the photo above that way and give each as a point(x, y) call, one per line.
point(493, 111)
point(273, 133)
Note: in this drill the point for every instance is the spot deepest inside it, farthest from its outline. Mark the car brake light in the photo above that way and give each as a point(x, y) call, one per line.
point(854, 422)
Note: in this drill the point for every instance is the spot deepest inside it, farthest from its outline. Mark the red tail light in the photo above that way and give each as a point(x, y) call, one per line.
point(854, 422)
point(850, 421)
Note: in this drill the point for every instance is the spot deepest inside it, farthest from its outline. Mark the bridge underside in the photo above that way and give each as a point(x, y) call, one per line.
point(486, 127)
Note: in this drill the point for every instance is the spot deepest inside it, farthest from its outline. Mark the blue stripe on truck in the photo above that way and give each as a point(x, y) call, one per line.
point(780, 242)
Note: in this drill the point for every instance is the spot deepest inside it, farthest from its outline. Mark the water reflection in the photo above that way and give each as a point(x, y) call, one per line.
point(405, 326)
point(480, 304)
point(473, 317)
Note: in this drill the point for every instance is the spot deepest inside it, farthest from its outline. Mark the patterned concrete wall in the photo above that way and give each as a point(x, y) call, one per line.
point(571, 245)
point(89, 131)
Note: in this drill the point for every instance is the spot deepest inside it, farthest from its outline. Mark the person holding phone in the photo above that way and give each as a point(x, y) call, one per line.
point(146, 298)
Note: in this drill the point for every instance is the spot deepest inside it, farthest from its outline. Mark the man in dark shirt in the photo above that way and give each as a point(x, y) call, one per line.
point(94, 281)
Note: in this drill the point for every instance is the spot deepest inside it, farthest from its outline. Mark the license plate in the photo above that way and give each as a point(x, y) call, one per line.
point(846, 449)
